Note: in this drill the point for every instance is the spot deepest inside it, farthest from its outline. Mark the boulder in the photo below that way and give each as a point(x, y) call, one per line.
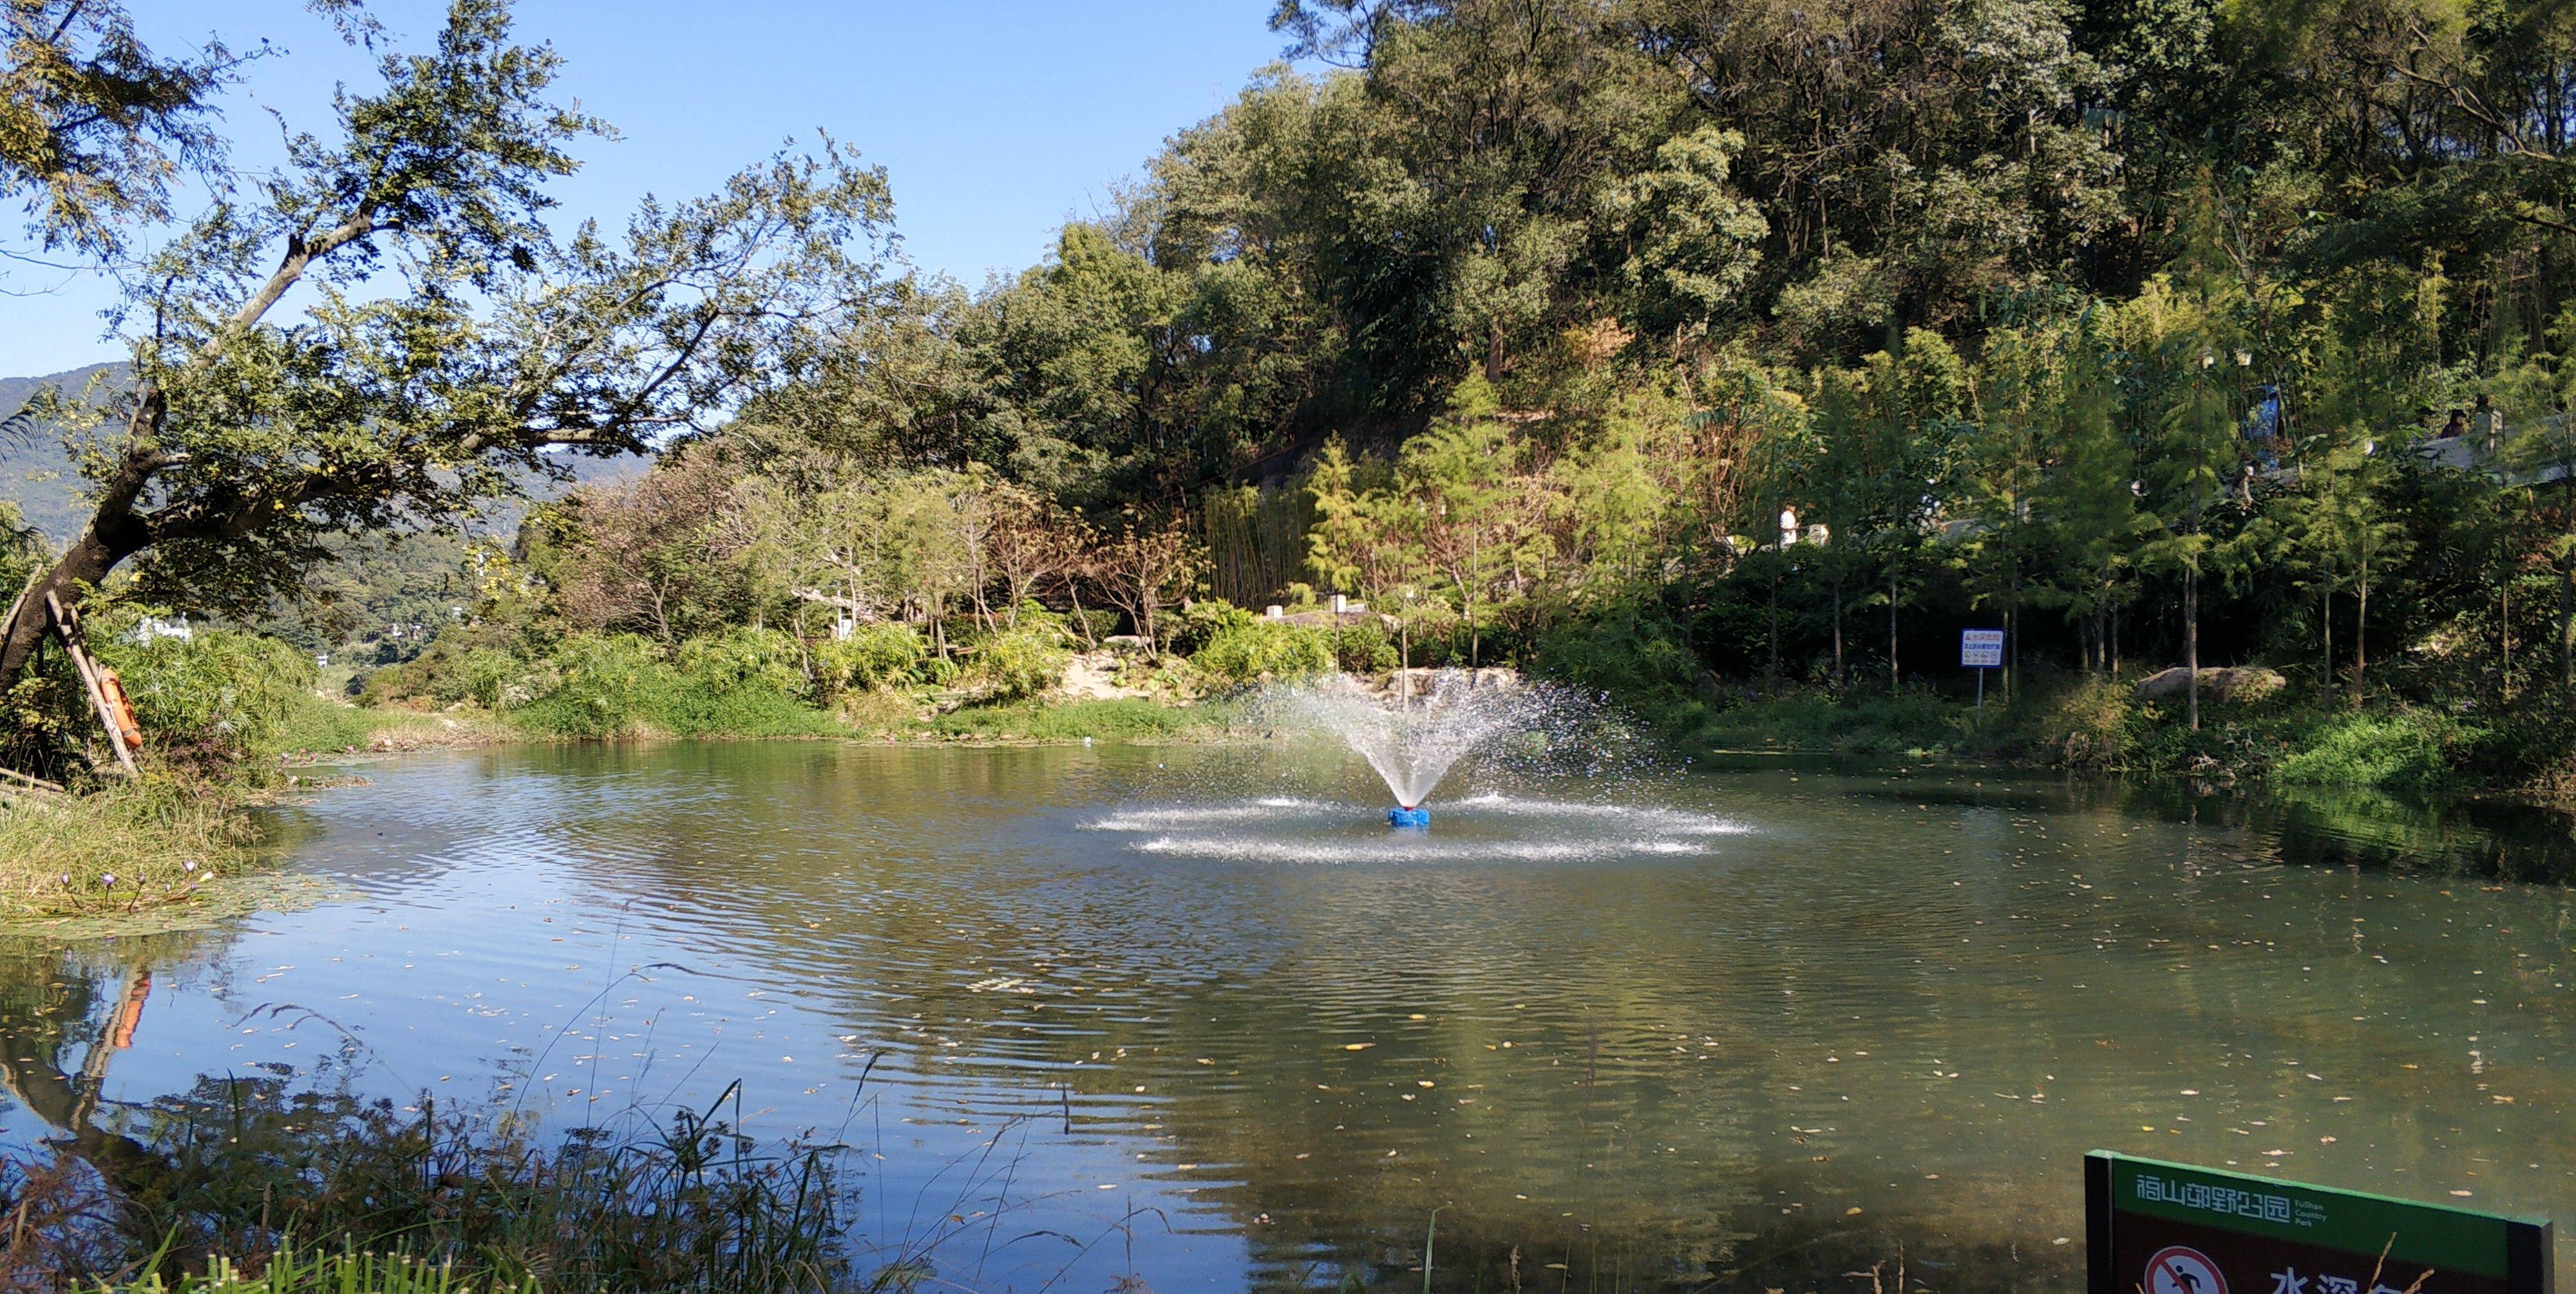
point(1093, 676)
point(2226, 684)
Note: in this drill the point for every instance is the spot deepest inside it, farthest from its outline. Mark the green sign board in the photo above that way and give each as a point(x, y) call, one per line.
point(2158, 1228)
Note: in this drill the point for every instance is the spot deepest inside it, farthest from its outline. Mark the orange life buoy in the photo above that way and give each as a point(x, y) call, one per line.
point(120, 709)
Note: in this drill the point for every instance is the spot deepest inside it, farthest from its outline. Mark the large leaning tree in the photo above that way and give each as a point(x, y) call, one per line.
point(383, 333)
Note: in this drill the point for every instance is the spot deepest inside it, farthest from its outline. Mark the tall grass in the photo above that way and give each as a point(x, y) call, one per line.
point(122, 848)
point(289, 1271)
point(247, 1186)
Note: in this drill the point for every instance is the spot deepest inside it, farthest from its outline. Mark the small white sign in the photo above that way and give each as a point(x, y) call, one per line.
point(1981, 648)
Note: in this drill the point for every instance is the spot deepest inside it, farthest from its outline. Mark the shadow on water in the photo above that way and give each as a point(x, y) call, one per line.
point(67, 1013)
point(2317, 826)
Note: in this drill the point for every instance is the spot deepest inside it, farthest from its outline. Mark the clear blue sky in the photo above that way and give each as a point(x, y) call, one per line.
point(995, 121)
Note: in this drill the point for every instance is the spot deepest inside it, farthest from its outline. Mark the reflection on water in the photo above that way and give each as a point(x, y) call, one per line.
point(1220, 1028)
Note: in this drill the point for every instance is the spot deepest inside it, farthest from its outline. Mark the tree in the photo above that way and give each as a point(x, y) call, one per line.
point(1835, 490)
point(2199, 357)
point(1918, 394)
point(2088, 497)
point(1031, 543)
point(2000, 467)
point(94, 126)
point(1147, 567)
point(452, 340)
point(1458, 472)
point(649, 557)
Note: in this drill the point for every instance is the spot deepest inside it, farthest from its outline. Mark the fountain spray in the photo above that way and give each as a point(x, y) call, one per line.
point(1433, 719)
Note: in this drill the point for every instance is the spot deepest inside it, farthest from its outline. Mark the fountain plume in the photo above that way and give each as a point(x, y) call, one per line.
point(1425, 722)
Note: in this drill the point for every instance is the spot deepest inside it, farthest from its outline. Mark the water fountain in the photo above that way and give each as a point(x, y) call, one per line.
point(1421, 725)
point(1557, 779)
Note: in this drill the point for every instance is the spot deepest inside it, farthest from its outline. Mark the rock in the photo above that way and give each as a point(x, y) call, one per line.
point(1132, 644)
point(2226, 684)
point(1413, 682)
point(1093, 676)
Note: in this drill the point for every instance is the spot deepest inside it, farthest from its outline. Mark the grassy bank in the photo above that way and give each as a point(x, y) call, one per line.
point(2102, 726)
point(123, 848)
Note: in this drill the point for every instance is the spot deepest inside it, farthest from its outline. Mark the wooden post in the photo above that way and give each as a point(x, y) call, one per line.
point(67, 624)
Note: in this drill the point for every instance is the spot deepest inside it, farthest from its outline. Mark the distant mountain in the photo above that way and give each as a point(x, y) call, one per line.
point(37, 470)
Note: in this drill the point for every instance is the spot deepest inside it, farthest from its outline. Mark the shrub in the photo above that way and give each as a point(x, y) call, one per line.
point(1127, 719)
point(1628, 657)
point(214, 699)
point(1257, 648)
point(477, 663)
point(1202, 621)
point(745, 659)
point(1018, 663)
point(1362, 647)
point(873, 656)
point(2084, 726)
point(2407, 751)
point(609, 685)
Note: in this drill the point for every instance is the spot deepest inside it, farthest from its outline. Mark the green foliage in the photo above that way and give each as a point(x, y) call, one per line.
point(214, 699)
point(1129, 719)
point(887, 654)
point(620, 685)
point(744, 659)
point(1256, 649)
point(1906, 723)
point(1019, 663)
point(1362, 647)
point(1202, 621)
point(2404, 751)
point(1535, 374)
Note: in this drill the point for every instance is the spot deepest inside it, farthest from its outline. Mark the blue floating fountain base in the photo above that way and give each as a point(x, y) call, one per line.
point(1417, 819)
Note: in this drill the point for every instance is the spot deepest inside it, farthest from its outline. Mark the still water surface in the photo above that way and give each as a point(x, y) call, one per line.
point(1194, 1014)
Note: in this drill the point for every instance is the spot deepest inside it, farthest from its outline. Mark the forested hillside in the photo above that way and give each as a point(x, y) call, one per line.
point(2145, 332)
point(1700, 350)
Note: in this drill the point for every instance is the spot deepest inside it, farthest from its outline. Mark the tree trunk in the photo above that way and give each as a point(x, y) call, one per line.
point(2012, 632)
point(1777, 558)
point(85, 563)
point(1891, 630)
point(1839, 678)
point(2329, 618)
point(1073, 594)
point(2567, 622)
point(2361, 637)
point(2504, 622)
point(2191, 634)
point(114, 533)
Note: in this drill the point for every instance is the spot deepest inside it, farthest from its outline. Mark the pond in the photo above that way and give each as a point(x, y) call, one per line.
point(1194, 1014)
